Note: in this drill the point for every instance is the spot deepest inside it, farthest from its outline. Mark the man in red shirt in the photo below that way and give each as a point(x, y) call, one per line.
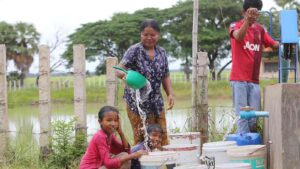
point(248, 38)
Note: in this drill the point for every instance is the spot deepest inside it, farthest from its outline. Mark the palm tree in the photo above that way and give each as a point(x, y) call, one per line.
point(26, 46)
point(21, 41)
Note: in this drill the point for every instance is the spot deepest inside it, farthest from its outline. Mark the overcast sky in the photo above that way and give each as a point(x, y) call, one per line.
point(51, 16)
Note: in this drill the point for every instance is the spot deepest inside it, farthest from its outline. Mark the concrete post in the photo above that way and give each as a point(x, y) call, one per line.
point(282, 128)
point(44, 99)
point(202, 95)
point(3, 105)
point(79, 89)
point(111, 81)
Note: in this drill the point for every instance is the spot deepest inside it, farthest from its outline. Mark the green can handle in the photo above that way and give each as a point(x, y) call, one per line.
point(119, 68)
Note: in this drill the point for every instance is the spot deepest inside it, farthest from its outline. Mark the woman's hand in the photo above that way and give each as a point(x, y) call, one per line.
point(170, 102)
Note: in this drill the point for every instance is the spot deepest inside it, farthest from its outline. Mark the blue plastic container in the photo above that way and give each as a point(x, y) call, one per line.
point(232, 137)
point(248, 139)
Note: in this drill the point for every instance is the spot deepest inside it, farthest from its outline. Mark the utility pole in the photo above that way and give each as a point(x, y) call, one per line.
point(194, 64)
point(199, 84)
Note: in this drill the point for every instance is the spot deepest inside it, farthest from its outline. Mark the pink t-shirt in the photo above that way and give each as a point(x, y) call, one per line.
point(247, 53)
point(99, 152)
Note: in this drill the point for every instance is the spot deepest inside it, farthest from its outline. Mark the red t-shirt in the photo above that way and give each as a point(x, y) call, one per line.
point(246, 53)
point(99, 150)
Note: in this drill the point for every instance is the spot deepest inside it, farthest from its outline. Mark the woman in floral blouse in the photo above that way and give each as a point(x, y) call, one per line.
point(149, 59)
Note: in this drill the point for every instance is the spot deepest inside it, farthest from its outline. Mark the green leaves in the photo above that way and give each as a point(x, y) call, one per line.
point(113, 37)
point(21, 42)
point(65, 148)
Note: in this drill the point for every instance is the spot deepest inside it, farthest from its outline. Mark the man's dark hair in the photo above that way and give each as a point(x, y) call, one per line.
point(154, 128)
point(106, 109)
point(149, 23)
point(252, 4)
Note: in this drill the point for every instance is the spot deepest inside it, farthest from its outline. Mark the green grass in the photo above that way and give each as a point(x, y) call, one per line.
point(219, 92)
point(23, 150)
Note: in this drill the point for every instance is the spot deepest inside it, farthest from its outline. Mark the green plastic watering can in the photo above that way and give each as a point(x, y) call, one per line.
point(133, 79)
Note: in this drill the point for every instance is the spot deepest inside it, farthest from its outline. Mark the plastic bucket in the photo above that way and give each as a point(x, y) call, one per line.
point(234, 166)
point(191, 166)
point(185, 138)
point(188, 153)
point(159, 160)
point(218, 150)
point(253, 154)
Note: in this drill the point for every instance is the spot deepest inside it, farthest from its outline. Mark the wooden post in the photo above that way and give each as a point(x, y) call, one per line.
point(3, 105)
point(194, 63)
point(202, 103)
point(44, 99)
point(79, 89)
point(111, 81)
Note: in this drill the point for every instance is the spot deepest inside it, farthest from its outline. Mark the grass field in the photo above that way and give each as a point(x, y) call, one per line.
point(219, 92)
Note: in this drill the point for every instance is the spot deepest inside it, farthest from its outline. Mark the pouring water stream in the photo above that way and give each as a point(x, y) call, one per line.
point(140, 96)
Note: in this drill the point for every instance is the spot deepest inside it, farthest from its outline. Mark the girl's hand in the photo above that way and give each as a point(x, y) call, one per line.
point(119, 129)
point(170, 102)
point(139, 153)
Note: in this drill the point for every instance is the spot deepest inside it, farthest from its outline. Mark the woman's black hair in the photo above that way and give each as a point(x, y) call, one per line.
point(252, 4)
point(106, 109)
point(150, 23)
point(154, 128)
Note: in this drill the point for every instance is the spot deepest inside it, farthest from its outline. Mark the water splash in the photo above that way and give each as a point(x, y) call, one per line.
point(230, 127)
point(141, 95)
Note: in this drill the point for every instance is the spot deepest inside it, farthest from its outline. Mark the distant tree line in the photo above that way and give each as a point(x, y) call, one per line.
point(113, 37)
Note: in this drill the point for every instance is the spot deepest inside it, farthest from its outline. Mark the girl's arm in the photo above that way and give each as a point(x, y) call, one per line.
point(135, 155)
point(123, 138)
point(104, 153)
point(124, 141)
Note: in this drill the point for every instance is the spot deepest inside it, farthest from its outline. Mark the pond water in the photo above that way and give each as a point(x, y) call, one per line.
point(177, 120)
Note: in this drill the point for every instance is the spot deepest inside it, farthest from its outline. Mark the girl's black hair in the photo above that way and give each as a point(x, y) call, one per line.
point(106, 109)
point(150, 23)
point(252, 4)
point(154, 128)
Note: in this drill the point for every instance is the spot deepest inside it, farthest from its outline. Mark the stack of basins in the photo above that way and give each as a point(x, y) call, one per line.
point(187, 145)
point(250, 150)
point(240, 151)
point(159, 160)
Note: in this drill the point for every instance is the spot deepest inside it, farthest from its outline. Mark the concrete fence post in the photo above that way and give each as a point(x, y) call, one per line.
point(3, 105)
point(111, 81)
point(79, 89)
point(44, 99)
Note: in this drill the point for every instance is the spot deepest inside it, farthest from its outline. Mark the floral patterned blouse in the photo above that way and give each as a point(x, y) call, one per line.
point(136, 58)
